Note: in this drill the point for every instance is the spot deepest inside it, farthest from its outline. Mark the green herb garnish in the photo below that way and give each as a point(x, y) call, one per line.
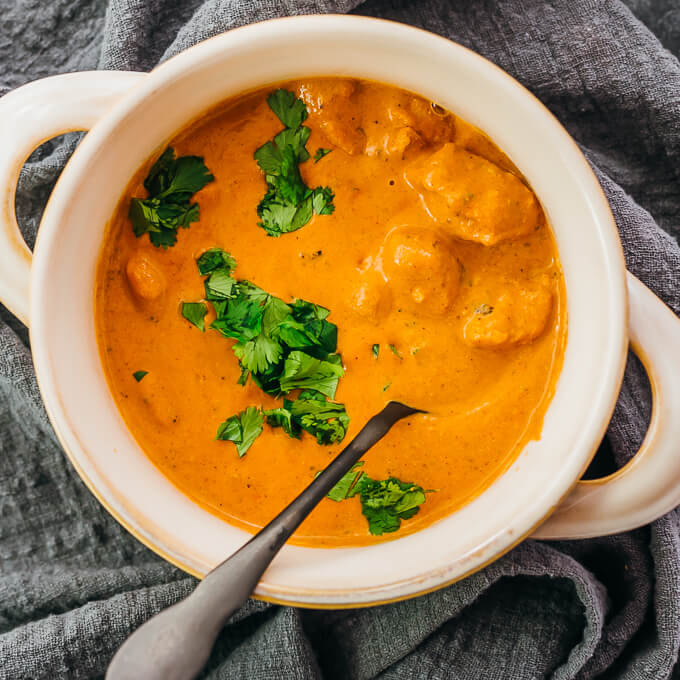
point(311, 412)
point(288, 203)
point(384, 503)
point(138, 375)
point(347, 487)
point(281, 347)
point(290, 110)
point(376, 350)
point(213, 259)
point(387, 502)
point(395, 351)
point(301, 371)
point(320, 153)
point(242, 429)
point(386, 386)
point(195, 312)
point(171, 184)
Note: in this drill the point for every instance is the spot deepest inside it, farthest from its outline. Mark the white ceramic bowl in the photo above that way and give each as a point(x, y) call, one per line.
point(130, 116)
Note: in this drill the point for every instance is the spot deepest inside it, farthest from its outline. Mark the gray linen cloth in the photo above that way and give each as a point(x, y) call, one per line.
point(74, 584)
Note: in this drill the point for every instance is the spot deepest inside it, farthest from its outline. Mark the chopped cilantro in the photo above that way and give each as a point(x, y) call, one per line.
point(347, 487)
point(288, 203)
point(322, 201)
point(195, 312)
point(281, 347)
point(171, 183)
point(242, 429)
point(387, 502)
point(303, 371)
point(320, 153)
point(376, 350)
point(219, 285)
point(138, 375)
point(213, 259)
point(310, 412)
point(290, 110)
point(384, 503)
point(282, 417)
point(395, 351)
point(387, 386)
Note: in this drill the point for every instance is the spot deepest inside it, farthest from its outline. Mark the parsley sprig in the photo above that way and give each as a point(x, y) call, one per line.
point(288, 203)
point(281, 347)
point(171, 184)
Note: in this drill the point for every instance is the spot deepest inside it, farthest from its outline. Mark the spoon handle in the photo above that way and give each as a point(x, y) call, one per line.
point(175, 644)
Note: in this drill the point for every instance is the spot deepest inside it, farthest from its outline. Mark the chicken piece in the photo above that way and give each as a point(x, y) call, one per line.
point(470, 138)
point(344, 134)
point(332, 101)
point(472, 198)
point(421, 269)
point(145, 276)
point(516, 317)
point(372, 298)
point(395, 142)
point(434, 124)
point(319, 92)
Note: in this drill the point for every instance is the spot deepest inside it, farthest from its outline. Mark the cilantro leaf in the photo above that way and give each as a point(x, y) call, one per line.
point(170, 183)
point(138, 375)
point(347, 487)
point(258, 355)
point(187, 175)
point(376, 350)
point(290, 110)
point(288, 203)
point(320, 153)
point(276, 217)
point(296, 140)
point(326, 420)
point(195, 313)
point(219, 285)
point(387, 502)
point(242, 429)
point(303, 371)
point(282, 417)
point(243, 378)
point(163, 239)
point(308, 311)
point(322, 201)
point(395, 351)
point(215, 258)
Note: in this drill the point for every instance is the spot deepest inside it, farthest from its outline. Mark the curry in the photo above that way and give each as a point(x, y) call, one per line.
point(429, 275)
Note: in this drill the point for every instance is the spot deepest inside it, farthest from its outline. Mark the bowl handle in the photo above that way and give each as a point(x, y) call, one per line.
point(648, 486)
point(29, 116)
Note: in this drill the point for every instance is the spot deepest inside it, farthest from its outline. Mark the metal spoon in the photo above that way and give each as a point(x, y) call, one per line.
point(175, 644)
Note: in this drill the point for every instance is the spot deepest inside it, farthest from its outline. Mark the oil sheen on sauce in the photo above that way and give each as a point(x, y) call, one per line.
point(436, 247)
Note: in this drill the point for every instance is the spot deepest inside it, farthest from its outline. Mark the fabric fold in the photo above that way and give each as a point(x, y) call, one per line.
point(74, 584)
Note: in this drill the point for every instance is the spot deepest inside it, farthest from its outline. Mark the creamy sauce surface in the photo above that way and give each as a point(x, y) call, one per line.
point(436, 247)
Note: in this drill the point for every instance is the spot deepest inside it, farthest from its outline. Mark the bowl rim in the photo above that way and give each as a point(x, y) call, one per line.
point(161, 76)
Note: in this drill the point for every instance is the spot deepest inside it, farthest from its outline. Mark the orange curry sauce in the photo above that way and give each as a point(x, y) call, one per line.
point(436, 246)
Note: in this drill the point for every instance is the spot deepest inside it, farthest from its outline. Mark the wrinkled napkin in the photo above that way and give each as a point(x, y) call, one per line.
point(74, 584)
